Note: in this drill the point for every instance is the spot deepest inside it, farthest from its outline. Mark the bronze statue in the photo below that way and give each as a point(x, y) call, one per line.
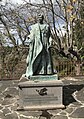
point(39, 60)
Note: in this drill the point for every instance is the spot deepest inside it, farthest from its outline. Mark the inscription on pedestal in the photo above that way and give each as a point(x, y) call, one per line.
point(52, 96)
point(41, 94)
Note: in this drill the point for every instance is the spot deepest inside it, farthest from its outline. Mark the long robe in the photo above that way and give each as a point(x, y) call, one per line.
point(39, 58)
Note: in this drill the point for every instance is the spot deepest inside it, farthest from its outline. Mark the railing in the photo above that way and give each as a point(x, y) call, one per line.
point(63, 67)
point(69, 68)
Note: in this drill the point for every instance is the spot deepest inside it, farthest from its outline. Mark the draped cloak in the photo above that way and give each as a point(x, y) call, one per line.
point(39, 58)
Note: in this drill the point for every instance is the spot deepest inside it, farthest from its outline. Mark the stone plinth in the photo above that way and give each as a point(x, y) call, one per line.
point(43, 77)
point(40, 95)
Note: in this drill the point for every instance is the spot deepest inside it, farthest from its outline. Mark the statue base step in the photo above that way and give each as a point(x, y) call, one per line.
point(40, 108)
point(44, 77)
point(40, 94)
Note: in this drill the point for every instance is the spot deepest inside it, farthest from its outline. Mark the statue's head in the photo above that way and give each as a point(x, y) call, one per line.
point(40, 18)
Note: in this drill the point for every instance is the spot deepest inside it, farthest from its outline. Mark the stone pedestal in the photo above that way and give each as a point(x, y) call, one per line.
point(40, 94)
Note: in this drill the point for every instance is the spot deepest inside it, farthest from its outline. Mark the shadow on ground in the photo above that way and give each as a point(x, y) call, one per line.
point(68, 91)
point(46, 114)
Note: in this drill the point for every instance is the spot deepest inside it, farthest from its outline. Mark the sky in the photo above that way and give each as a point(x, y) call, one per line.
point(22, 1)
point(12, 1)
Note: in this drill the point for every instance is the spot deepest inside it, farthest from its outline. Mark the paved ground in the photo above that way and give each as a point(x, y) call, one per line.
point(73, 100)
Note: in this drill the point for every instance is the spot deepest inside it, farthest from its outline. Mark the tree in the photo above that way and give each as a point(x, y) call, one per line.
point(61, 15)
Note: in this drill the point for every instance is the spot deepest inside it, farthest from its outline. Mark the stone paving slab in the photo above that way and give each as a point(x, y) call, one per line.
point(73, 99)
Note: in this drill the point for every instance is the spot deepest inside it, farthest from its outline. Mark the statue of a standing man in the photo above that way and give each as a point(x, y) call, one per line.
point(39, 60)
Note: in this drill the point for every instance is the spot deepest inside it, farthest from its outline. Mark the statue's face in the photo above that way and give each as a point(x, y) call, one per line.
point(40, 18)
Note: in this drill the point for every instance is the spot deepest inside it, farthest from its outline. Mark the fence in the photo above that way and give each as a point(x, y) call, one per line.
point(69, 68)
point(63, 67)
